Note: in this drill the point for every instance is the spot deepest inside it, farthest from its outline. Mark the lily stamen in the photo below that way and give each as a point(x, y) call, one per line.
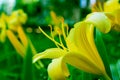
point(52, 39)
point(62, 43)
point(63, 30)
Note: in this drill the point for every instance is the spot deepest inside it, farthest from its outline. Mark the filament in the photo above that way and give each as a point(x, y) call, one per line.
point(50, 38)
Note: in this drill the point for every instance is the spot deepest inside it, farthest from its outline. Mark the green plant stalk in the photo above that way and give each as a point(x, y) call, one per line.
point(103, 53)
point(27, 65)
point(6, 51)
point(107, 77)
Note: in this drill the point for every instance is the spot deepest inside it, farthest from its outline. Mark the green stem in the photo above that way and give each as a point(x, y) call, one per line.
point(107, 77)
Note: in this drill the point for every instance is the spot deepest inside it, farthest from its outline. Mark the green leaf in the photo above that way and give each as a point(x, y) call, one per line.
point(102, 51)
point(28, 66)
point(114, 71)
point(118, 67)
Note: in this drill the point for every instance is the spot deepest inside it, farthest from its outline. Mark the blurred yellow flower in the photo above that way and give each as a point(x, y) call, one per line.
point(9, 25)
point(80, 50)
point(58, 24)
point(2, 30)
point(20, 43)
point(11, 22)
point(98, 6)
point(111, 5)
point(112, 10)
point(17, 18)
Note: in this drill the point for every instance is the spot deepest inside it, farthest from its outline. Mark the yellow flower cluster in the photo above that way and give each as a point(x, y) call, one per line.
point(58, 23)
point(11, 22)
point(13, 25)
point(10, 25)
point(112, 10)
point(81, 51)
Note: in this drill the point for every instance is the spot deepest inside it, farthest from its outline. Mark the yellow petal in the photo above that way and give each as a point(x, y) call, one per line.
point(114, 18)
point(90, 37)
point(117, 16)
point(84, 40)
point(111, 5)
point(3, 35)
point(16, 44)
point(100, 21)
point(82, 62)
point(18, 16)
point(22, 36)
point(111, 17)
point(54, 18)
point(24, 39)
point(57, 69)
point(2, 30)
point(97, 6)
point(49, 53)
point(70, 42)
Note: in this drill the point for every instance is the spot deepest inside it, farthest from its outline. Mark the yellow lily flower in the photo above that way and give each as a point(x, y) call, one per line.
point(19, 46)
point(98, 6)
point(111, 5)
point(80, 52)
point(112, 10)
point(21, 42)
point(17, 18)
point(3, 27)
point(12, 22)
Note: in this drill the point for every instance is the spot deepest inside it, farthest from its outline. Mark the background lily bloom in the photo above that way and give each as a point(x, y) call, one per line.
point(58, 24)
point(111, 5)
point(9, 26)
point(20, 48)
point(21, 42)
point(112, 10)
point(12, 22)
point(17, 18)
point(80, 52)
point(2, 30)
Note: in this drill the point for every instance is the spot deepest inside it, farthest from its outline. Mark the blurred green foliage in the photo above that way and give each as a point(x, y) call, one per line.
point(39, 10)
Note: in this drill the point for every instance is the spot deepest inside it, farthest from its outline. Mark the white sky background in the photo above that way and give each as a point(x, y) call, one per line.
point(83, 3)
point(10, 5)
point(92, 1)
